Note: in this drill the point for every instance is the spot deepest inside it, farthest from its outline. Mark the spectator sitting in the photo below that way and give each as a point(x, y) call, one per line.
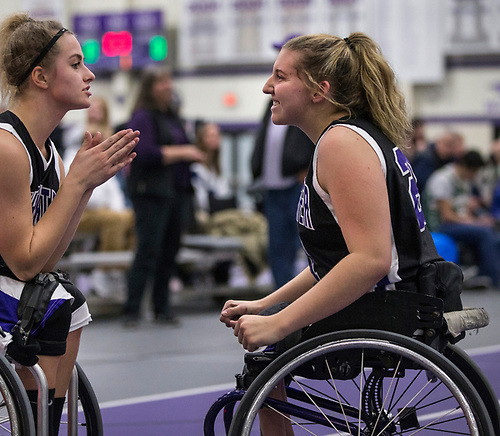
point(456, 209)
point(106, 216)
point(212, 190)
point(417, 142)
point(216, 208)
point(489, 176)
point(446, 149)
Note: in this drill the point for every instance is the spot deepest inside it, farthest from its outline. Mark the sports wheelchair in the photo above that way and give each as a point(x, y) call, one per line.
point(385, 365)
point(16, 417)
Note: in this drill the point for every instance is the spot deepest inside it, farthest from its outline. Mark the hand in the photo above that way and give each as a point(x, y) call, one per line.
point(96, 162)
point(194, 154)
point(254, 331)
point(182, 153)
point(233, 309)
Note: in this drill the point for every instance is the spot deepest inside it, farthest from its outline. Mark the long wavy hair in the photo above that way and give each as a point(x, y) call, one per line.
point(361, 81)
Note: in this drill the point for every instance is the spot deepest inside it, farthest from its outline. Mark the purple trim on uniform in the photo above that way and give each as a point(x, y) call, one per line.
point(8, 311)
point(51, 308)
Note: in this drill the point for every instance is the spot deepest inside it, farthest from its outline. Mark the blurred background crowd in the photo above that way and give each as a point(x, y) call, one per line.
point(189, 75)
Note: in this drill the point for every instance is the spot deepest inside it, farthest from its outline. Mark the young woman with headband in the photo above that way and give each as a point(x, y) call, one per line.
point(42, 77)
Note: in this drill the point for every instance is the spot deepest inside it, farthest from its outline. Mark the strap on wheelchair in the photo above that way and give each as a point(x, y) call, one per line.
point(34, 301)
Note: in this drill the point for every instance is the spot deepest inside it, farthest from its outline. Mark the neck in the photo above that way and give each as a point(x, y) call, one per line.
point(319, 122)
point(38, 118)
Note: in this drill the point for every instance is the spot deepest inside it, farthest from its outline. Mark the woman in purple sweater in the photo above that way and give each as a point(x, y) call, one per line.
point(160, 189)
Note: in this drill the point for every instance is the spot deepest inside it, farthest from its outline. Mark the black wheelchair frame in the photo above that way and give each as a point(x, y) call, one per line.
point(386, 343)
point(16, 417)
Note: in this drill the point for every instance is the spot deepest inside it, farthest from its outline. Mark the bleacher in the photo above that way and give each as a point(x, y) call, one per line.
point(198, 254)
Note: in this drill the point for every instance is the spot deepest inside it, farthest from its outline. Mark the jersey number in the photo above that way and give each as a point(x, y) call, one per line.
point(406, 169)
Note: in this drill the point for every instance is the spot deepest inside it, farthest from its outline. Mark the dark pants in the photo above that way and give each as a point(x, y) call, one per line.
point(159, 224)
point(482, 239)
point(280, 209)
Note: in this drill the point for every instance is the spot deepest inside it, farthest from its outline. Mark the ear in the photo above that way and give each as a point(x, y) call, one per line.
point(39, 77)
point(324, 89)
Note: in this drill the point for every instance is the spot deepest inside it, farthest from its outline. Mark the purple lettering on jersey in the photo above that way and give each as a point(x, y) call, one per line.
point(40, 201)
point(407, 170)
point(303, 216)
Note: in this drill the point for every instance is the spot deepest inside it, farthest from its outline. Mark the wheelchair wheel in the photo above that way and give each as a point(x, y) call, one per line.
point(365, 382)
point(89, 416)
point(465, 364)
point(16, 417)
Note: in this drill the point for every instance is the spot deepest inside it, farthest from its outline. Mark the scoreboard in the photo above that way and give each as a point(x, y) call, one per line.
point(122, 41)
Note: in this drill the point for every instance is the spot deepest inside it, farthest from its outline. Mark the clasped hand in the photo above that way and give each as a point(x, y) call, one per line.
point(98, 161)
point(252, 330)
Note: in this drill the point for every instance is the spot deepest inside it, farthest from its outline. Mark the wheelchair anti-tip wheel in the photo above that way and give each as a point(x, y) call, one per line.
point(365, 382)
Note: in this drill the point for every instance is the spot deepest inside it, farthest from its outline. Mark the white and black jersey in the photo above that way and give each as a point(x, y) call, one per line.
point(322, 238)
point(67, 310)
point(44, 173)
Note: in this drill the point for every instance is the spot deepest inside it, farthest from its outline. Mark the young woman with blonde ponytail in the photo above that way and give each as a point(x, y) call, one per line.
point(359, 213)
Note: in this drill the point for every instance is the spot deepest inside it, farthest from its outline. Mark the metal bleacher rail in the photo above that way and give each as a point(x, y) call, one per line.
point(199, 252)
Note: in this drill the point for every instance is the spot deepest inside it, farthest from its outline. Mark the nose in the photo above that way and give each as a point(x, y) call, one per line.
point(90, 76)
point(268, 89)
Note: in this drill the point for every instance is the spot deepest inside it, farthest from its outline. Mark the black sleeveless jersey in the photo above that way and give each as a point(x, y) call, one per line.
point(44, 174)
point(321, 236)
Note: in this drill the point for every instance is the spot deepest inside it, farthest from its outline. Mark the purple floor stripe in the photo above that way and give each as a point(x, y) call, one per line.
point(184, 416)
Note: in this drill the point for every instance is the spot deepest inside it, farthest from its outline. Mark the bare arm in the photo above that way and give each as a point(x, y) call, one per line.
point(29, 249)
point(71, 229)
point(292, 290)
point(181, 153)
point(350, 172)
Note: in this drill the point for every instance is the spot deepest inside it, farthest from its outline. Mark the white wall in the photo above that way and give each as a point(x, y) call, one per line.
point(203, 97)
point(465, 100)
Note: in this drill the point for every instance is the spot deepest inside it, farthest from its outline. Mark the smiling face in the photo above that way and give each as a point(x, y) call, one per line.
point(288, 92)
point(68, 77)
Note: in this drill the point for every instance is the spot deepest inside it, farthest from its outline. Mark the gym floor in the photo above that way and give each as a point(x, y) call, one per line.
point(161, 380)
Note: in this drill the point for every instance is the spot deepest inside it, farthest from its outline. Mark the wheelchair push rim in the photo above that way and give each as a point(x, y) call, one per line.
point(428, 363)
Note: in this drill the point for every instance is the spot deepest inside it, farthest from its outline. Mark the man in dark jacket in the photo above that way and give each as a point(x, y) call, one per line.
point(279, 164)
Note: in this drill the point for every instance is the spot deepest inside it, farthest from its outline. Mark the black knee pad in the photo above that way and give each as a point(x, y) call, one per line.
point(52, 337)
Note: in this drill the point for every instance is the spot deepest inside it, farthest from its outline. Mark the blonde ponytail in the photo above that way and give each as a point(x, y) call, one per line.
point(361, 81)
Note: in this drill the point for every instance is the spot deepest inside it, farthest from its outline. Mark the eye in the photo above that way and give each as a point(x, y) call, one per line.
point(76, 65)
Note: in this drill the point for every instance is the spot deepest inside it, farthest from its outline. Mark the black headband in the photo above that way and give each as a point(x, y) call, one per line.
point(42, 54)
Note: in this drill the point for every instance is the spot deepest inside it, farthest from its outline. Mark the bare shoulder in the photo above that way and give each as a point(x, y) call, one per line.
point(13, 157)
point(340, 140)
